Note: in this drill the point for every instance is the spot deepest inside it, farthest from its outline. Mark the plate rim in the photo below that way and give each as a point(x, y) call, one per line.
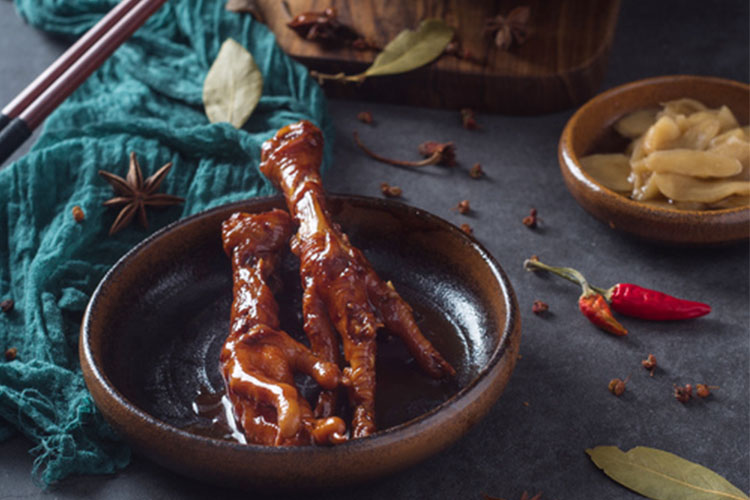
point(390, 434)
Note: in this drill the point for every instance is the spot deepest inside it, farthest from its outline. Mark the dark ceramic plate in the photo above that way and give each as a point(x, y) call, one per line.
point(152, 332)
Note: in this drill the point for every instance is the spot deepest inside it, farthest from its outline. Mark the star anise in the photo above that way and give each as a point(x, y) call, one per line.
point(510, 29)
point(136, 194)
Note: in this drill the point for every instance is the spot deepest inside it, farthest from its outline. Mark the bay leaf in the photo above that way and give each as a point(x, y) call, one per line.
point(412, 49)
point(661, 475)
point(233, 85)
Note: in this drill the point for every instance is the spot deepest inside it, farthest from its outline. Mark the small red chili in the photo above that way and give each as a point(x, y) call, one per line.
point(591, 303)
point(633, 300)
point(596, 309)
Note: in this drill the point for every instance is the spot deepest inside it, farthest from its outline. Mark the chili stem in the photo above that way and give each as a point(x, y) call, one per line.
point(431, 160)
point(568, 273)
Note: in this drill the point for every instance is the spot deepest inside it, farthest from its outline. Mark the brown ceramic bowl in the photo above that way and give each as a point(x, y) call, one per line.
point(591, 127)
point(152, 331)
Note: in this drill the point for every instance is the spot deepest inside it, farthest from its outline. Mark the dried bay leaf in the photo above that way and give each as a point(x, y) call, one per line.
point(233, 85)
point(408, 51)
point(661, 475)
point(412, 49)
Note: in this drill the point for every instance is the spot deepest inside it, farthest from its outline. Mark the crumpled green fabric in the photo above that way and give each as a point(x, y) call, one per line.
point(146, 98)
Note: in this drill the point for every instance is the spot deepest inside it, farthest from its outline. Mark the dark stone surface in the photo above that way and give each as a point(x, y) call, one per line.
point(557, 403)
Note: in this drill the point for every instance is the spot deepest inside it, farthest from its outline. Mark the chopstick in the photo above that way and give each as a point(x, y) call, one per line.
point(27, 110)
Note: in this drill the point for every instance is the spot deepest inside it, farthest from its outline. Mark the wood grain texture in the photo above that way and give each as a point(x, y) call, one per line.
point(561, 64)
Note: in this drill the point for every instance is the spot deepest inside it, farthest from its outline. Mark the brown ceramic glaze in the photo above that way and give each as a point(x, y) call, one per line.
point(152, 331)
point(591, 126)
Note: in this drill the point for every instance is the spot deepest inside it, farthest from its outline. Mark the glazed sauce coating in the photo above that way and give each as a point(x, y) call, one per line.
point(336, 276)
point(258, 361)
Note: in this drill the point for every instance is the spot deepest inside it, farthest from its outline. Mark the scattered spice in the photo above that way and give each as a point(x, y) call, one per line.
point(703, 390)
point(476, 172)
point(365, 117)
point(617, 386)
point(526, 404)
point(136, 194)
point(683, 394)
point(649, 364)
point(467, 229)
point(531, 220)
point(509, 29)
point(78, 214)
point(323, 27)
point(463, 207)
point(390, 191)
point(7, 305)
point(632, 300)
point(539, 308)
point(436, 154)
point(468, 120)
point(11, 353)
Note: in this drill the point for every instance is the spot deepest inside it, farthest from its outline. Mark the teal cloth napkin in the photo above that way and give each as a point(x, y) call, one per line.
point(146, 98)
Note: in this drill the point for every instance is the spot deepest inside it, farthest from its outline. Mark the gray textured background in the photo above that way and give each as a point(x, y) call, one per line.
point(566, 363)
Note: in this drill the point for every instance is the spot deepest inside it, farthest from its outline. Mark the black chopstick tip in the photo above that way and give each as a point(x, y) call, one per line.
point(12, 136)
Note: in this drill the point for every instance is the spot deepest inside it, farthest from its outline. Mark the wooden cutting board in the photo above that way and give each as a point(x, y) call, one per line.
point(561, 64)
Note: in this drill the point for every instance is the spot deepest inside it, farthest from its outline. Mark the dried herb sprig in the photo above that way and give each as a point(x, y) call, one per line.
point(436, 153)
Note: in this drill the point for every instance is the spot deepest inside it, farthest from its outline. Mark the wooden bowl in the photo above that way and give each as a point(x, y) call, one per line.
point(152, 332)
point(592, 124)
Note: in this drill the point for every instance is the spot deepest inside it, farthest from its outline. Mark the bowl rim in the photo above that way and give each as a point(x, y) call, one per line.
point(378, 439)
point(570, 160)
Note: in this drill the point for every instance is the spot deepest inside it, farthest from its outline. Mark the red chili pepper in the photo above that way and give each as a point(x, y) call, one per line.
point(639, 302)
point(626, 298)
point(596, 309)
